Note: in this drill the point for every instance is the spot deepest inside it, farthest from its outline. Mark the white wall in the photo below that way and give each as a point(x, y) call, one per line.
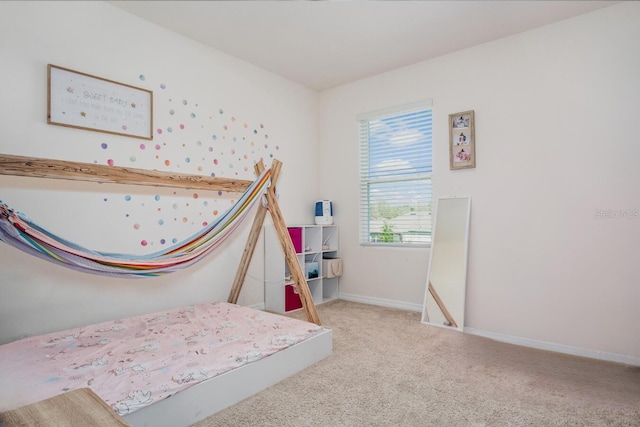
point(557, 141)
point(99, 39)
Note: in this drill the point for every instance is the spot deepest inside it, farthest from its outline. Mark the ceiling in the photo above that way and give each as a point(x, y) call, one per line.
point(324, 44)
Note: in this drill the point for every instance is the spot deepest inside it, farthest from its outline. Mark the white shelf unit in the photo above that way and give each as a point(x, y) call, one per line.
point(313, 243)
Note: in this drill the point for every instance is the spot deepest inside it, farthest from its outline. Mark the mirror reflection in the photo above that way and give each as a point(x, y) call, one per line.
point(447, 278)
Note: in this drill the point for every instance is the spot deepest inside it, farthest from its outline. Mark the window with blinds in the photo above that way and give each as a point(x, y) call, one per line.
point(395, 176)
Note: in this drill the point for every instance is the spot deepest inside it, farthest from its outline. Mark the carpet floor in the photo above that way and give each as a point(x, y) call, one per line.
point(388, 369)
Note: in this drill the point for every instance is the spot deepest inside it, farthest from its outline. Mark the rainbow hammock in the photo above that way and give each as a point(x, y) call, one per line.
point(18, 231)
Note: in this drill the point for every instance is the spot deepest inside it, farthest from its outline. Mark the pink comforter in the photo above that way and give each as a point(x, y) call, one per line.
point(134, 362)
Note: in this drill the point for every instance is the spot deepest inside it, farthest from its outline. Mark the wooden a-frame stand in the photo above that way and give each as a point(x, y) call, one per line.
point(285, 240)
point(76, 171)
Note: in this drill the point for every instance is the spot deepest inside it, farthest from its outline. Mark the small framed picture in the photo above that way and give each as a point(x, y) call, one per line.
point(462, 141)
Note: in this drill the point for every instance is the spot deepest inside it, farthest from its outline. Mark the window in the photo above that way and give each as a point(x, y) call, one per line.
point(395, 176)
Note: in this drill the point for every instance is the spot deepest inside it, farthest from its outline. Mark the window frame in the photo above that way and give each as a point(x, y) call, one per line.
point(364, 204)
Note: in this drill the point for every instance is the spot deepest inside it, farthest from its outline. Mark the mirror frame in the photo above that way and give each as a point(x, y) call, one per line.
point(424, 319)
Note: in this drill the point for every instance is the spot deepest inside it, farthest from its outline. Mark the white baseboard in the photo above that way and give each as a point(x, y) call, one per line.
point(540, 345)
point(259, 306)
point(558, 348)
point(381, 302)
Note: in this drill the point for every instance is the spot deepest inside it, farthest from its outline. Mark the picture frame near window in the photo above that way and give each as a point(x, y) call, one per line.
point(83, 101)
point(462, 140)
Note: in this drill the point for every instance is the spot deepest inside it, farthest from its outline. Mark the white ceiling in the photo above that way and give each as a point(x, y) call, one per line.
point(323, 44)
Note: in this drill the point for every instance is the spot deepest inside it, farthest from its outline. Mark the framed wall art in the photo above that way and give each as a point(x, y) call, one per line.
point(83, 101)
point(462, 140)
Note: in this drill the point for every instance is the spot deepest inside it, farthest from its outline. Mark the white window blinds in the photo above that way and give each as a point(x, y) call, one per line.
point(395, 176)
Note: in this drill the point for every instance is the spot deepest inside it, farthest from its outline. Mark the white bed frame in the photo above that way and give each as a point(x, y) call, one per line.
point(204, 399)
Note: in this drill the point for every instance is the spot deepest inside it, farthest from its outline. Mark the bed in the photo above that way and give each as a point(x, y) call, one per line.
point(170, 368)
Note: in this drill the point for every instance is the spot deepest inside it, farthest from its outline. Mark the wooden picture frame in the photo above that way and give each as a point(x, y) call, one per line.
point(462, 140)
point(82, 101)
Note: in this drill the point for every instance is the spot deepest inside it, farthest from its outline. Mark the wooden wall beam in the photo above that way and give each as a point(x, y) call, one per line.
point(76, 171)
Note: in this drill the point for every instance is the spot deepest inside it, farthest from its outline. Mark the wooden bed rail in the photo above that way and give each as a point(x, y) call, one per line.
point(76, 171)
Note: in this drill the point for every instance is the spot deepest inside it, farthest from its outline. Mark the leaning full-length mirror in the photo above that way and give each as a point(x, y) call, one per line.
point(447, 278)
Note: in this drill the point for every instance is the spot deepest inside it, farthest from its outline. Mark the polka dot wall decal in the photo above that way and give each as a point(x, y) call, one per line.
point(163, 86)
point(215, 212)
point(184, 102)
point(277, 147)
point(105, 199)
point(221, 111)
point(160, 222)
point(174, 240)
point(193, 115)
point(167, 162)
point(127, 198)
point(162, 241)
point(171, 112)
point(213, 174)
point(157, 146)
point(156, 197)
point(159, 131)
point(144, 243)
point(210, 149)
point(169, 129)
point(215, 161)
point(214, 137)
point(233, 151)
point(136, 226)
point(132, 159)
point(261, 126)
point(205, 223)
point(181, 126)
point(104, 145)
point(110, 162)
point(199, 143)
point(187, 160)
point(219, 193)
point(195, 195)
point(185, 219)
point(233, 119)
point(175, 206)
point(199, 168)
point(205, 203)
point(142, 77)
point(246, 125)
point(142, 146)
point(225, 127)
point(255, 132)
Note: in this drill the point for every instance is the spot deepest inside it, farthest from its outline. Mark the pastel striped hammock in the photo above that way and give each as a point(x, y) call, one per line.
point(20, 232)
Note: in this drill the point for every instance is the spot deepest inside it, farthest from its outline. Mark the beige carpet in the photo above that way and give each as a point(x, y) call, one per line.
point(388, 369)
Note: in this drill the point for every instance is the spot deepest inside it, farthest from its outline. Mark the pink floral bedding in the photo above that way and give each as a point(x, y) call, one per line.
point(135, 362)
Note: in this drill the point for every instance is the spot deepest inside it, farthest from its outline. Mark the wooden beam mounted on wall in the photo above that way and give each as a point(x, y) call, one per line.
point(76, 171)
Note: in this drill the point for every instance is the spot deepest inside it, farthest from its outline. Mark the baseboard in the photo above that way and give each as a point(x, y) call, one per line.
point(558, 348)
point(381, 302)
point(257, 306)
point(540, 345)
